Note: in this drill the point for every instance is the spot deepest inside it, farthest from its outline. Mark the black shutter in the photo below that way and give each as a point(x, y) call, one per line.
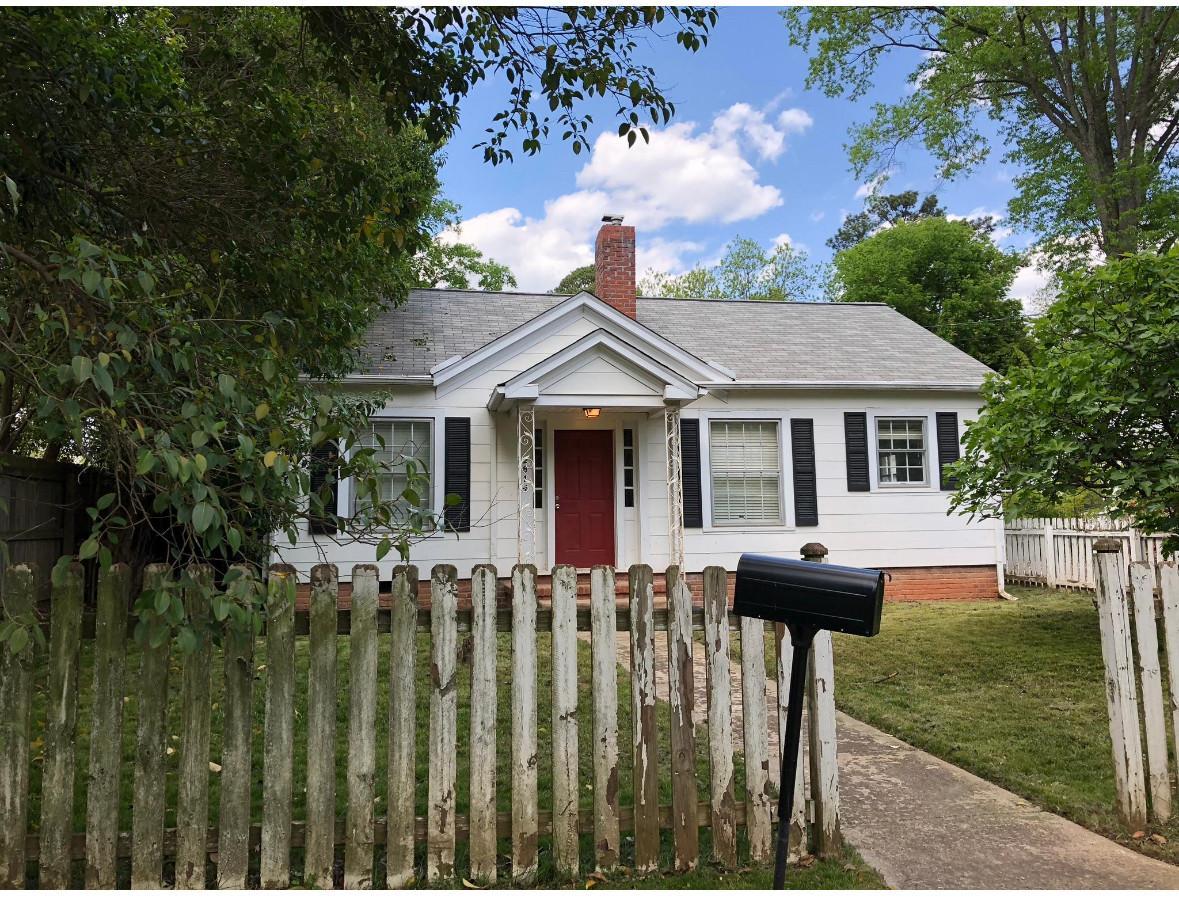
point(457, 479)
point(323, 465)
point(802, 452)
point(947, 448)
point(690, 473)
point(855, 436)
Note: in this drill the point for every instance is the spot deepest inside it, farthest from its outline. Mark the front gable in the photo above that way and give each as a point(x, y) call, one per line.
point(598, 370)
point(558, 329)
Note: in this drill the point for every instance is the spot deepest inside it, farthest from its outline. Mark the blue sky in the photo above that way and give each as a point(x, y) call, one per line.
point(750, 152)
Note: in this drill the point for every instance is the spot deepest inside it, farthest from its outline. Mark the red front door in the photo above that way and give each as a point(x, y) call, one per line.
point(584, 497)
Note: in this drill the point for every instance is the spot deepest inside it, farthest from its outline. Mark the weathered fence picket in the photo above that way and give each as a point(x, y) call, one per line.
point(604, 666)
point(1120, 692)
point(440, 813)
point(16, 696)
point(57, 777)
point(784, 660)
point(723, 812)
point(564, 725)
point(646, 752)
point(151, 740)
point(224, 836)
point(757, 740)
point(320, 853)
point(402, 727)
point(681, 698)
point(278, 759)
point(106, 735)
point(525, 813)
point(823, 759)
point(1169, 589)
point(233, 828)
point(483, 711)
point(1153, 721)
point(362, 728)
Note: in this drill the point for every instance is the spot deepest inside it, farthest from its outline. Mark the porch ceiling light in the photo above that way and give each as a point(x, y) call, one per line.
point(592, 413)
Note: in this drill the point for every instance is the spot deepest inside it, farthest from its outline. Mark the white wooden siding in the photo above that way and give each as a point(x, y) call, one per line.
point(897, 527)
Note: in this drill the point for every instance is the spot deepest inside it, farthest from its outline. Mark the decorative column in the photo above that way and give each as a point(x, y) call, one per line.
point(526, 478)
point(675, 485)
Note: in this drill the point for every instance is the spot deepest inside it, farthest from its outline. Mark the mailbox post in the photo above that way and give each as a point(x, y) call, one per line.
point(807, 597)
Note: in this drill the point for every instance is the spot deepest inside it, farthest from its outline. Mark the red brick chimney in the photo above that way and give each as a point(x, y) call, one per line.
point(614, 265)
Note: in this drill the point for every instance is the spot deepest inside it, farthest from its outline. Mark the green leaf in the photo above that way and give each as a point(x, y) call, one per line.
point(82, 368)
point(91, 279)
point(383, 548)
point(18, 640)
point(203, 515)
point(147, 460)
point(200, 439)
point(88, 549)
point(226, 384)
point(102, 379)
point(146, 281)
point(105, 501)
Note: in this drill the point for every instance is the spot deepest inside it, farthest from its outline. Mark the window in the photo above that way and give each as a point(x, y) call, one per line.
point(746, 472)
point(404, 440)
point(900, 450)
point(628, 468)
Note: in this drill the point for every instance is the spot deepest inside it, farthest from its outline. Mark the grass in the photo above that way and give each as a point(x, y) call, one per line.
point(849, 872)
point(1011, 691)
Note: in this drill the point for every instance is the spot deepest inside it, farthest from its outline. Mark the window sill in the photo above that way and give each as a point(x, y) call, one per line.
point(759, 528)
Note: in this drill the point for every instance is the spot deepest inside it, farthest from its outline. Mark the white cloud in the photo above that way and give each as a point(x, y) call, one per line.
point(684, 175)
point(795, 120)
point(998, 233)
point(871, 186)
point(1033, 287)
point(785, 239)
point(817, 215)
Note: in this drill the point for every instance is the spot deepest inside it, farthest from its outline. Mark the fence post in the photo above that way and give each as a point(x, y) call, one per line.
point(1169, 588)
point(798, 816)
point(1120, 694)
point(278, 742)
point(821, 728)
point(646, 749)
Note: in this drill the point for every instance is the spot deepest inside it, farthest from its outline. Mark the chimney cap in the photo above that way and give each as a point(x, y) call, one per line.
point(612, 219)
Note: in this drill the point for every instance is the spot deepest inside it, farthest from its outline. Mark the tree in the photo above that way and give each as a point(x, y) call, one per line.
point(201, 212)
point(581, 279)
point(448, 263)
point(747, 271)
point(882, 210)
point(1094, 409)
point(944, 276)
point(1087, 99)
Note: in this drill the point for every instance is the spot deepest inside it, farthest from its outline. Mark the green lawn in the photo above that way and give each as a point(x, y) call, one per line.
point(847, 873)
point(1011, 691)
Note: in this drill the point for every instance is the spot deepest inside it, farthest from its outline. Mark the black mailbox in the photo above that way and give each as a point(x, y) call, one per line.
point(824, 596)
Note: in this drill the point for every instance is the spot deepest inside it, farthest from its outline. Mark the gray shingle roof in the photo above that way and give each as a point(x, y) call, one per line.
point(758, 340)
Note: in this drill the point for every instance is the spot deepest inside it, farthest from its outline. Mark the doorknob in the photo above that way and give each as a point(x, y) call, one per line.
point(556, 503)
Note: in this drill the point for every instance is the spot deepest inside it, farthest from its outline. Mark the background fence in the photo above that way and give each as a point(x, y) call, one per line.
point(1132, 633)
point(39, 507)
point(97, 792)
point(1059, 552)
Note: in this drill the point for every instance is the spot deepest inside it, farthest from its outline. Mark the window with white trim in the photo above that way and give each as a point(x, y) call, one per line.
point(900, 451)
point(745, 462)
point(397, 442)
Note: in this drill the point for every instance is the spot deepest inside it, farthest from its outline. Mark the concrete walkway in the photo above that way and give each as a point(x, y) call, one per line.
point(925, 824)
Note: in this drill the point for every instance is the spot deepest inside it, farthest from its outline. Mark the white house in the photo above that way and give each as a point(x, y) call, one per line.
point(610, 429)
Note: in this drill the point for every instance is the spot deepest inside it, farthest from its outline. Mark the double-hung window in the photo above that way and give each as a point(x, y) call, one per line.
point(900, 451)
point(746, 466)
point(400, 444)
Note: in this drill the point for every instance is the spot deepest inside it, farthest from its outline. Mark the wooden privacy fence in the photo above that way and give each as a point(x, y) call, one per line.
point(1059, 552)
point(1131, 627)
point(234, 844)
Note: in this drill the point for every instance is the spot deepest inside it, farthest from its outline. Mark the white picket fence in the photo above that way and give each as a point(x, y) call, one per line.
point(1125, 605)
point(1058, 552)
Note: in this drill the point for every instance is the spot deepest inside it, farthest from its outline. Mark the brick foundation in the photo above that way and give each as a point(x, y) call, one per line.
point(905, 584)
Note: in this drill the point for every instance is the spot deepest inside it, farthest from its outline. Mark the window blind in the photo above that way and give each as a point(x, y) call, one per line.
point(746, 472)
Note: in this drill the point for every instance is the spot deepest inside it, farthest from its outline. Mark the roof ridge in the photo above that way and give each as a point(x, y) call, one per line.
point(527, 294)
point(768, 302)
